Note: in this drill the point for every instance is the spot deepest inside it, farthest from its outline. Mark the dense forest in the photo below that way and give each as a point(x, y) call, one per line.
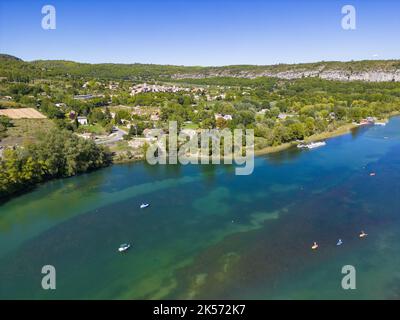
point(56, 154)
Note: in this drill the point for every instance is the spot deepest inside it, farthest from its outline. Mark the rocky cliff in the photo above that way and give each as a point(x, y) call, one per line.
point(373, 73)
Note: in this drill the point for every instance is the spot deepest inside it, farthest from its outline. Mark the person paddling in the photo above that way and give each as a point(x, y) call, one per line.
point(363, 234)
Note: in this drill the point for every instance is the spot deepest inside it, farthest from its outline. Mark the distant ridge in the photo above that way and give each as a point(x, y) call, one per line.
point(4, 56)
point(366, 70)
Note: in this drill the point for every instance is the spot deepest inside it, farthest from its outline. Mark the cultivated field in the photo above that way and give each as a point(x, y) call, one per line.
point(22, 113)
point(25, 130)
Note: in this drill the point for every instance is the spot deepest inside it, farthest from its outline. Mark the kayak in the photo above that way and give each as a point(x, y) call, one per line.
point(124, 247)
point(363, 234)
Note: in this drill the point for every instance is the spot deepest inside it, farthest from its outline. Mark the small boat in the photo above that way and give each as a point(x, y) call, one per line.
point(364, 122)
point(124, 247)
point(316, 144)
point(315, 246)
point(380, 123)
point(144, 205)
point(363, 234)
point(372, 174)
point(311, 145)
point(339, 243)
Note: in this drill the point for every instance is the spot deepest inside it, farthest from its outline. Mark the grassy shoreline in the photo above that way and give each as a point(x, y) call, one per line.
point(316, 137)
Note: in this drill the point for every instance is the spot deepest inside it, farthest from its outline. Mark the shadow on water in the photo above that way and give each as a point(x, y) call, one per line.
point(278, 158)
point(360, 130)
point(96, 177)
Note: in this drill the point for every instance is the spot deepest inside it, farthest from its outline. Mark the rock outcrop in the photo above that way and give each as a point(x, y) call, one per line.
point(331, 74)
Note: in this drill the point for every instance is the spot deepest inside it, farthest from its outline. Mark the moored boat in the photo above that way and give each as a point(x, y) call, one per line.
point(311, 145)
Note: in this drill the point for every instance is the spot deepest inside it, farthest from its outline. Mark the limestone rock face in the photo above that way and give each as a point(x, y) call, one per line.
point(339, 75)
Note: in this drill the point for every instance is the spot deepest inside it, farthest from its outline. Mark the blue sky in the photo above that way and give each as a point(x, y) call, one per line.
point(200, 32)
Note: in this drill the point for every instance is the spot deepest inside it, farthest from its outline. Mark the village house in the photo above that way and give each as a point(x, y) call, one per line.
point(155, 117)
point(368, 120)
point(226, 117)
point(198, 90)
point(143, 88)
point(86, 84)
point(87, 96)
point(87, 136)
point(151, 134)
point(147, 133)
point(83, 121)
point(283, 116)
point(263, 111)
point(113, 86)
point(83, 96)
point(44, 94)
point(139, 111)
point(220, 97)
point(137, 143)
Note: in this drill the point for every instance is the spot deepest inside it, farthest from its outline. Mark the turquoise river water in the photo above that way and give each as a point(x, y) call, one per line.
point(211, 234)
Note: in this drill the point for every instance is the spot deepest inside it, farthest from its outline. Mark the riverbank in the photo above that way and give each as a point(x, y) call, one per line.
point(344, 129)
point(316, 137)
point(320, 136)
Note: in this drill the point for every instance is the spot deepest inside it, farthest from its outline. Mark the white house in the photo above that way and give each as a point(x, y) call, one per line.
point(83, 121)
point(283, 116)
point(263, 111)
